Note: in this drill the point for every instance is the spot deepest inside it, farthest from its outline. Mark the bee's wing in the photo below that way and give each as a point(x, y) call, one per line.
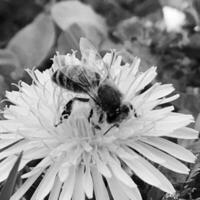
point(83, 78)
point(92, 58)
point(78, 75)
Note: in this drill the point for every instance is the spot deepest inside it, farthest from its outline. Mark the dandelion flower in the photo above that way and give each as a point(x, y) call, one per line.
point(77, 160)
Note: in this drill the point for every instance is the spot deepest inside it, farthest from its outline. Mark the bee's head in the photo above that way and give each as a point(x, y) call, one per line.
point(120, 113)
point(125, 108)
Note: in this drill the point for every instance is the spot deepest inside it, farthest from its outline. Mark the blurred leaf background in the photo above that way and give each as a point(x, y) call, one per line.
point(164, 33)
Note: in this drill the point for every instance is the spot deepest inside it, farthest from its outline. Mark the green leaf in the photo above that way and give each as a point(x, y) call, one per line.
point(69, 39)
point(67, 13)
point(8, 62)
point(197, 123)
point(33, 43)
point(179, 4)
point(192, 182)
point(10, 183)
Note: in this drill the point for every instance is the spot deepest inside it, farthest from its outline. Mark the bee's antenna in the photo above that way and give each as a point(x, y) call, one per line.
point(114, 125)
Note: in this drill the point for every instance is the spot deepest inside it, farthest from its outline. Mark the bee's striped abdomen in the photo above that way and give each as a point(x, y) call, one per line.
point(62, 80)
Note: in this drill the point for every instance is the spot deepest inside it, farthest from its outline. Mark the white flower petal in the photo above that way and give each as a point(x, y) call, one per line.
point(169, 99)
point(184, 133)
point(171, 148)
point(10, 136)
point(32, 173)
point(132, 193)
point(24, 188)
point(36, 153)
point(10, 126)
point(120, 173)
point(161, 91)
point(88, 183)
point(150, 174)
point(158, 114)
point(174, 121)
point(47, 182)
point(68, 186)
point(135, 66)
point(41, 166)
point(55, 192)
point(141, 170)
point(102, 168)
point(63, 172)
point(123, 154)
point(78, 193)
point(141, 81)
point(159, 157)
point(100, 189)
point(116, 191)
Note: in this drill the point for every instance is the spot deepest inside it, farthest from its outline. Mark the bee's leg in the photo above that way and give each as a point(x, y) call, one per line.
point(101, 118)
point(68, 108)
point(90, 115)
point(66, 112)
point(89, 120)
point(80, 99)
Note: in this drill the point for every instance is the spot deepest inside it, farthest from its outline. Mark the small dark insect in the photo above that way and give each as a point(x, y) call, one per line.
point(89, 79)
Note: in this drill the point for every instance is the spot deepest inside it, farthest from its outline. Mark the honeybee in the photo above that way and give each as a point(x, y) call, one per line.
point(93, 78)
